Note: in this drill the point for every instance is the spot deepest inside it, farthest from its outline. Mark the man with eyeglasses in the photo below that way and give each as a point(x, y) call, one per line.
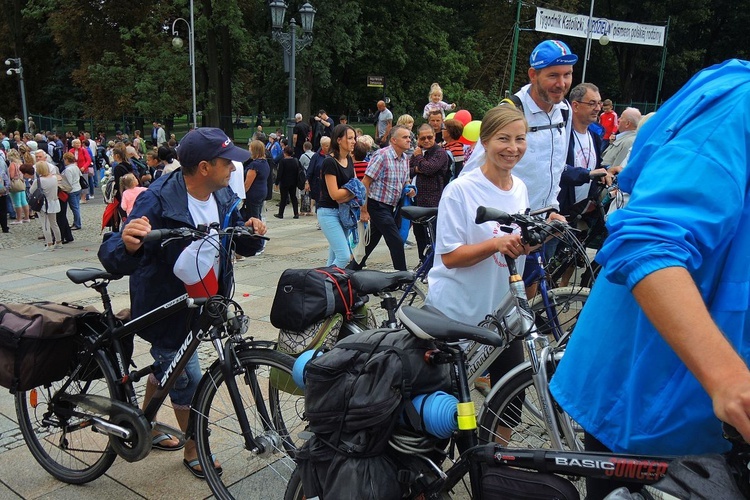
point(584, 159)
point(428, 166)
point(615, 154)
point(385, 179)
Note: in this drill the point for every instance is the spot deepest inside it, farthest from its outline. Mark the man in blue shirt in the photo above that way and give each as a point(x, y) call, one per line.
point(659, 355)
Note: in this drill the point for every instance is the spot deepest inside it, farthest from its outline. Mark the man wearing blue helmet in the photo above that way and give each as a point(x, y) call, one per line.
point(543, 102)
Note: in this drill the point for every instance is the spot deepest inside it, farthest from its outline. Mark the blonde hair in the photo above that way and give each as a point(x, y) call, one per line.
point(42, 168)
point(405, 120)
point(435, 89)
point(257, 150)
point(127, 181)
point(366, 140)
point(498, 118)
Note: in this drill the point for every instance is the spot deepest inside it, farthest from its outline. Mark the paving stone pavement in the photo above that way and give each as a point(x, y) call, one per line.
point(29, 273)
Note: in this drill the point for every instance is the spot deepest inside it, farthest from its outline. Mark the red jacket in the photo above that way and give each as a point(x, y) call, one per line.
point(83, 158)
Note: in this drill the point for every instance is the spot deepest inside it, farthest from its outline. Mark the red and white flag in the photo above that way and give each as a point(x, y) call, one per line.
point(198, 267)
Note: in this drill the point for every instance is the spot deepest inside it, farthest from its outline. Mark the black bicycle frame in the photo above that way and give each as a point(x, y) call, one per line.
point(641, 469)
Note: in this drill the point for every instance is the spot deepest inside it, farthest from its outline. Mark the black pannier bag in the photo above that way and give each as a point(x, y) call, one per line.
point(305, 296)
point(355, 396)
point(516, 484)
point(37, 344)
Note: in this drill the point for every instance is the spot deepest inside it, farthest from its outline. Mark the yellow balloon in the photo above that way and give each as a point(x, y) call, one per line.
point(451, 116)
point(471, 131)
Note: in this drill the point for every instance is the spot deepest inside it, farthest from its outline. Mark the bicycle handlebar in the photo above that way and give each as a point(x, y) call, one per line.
point(198, 233)
point(534, 230)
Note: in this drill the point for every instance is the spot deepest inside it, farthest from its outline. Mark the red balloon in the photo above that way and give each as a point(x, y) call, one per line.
point(463, 116)
point(464, 140)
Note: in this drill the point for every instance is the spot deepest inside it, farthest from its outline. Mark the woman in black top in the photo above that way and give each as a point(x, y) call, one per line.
point(337, 170)
point(286, 179)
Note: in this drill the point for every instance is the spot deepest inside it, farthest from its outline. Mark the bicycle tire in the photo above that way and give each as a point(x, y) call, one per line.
point(294, 490)
point(79, 455)
point(567, 301)
point(217, 431)
point(515, 406)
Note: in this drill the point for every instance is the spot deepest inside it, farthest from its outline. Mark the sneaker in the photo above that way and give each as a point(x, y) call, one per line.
point(49, 248)
point(26, 220)
point(295, 217)
point(483, 385)
point(58, 246)
point(278, 216)
point(15, 223)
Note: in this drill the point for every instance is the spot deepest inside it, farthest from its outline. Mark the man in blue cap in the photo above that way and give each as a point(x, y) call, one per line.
point(197, 193)
point(543, 102)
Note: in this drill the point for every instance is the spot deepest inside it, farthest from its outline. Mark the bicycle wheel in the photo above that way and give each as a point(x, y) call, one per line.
point(275, 419)
point(567, 303)
point(67, 446)
point(294, 488)
point(512, 416)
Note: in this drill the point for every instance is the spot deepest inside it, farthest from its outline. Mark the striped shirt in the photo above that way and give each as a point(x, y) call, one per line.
point(389, 175)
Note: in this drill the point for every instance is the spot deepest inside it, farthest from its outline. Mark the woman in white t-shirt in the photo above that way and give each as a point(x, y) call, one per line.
point(470, 275)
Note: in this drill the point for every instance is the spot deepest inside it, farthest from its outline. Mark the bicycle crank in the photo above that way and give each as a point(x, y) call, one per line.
point(128, 430)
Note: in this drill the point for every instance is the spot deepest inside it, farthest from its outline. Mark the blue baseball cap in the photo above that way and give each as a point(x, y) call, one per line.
point(551, 53)
point(207, 143)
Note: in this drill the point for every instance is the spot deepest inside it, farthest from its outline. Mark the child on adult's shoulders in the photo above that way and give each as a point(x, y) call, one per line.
point(436, 102)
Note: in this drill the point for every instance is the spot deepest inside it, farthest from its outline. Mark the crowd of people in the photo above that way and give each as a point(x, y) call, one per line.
point(68, 169)
point(669, 352)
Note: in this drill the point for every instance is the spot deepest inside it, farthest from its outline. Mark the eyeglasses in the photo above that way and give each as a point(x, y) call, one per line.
point(426, 137)
point(592, 103)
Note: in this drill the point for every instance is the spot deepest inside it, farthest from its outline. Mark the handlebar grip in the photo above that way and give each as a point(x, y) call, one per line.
point(486, 214)
point(545, 211)
point(158, 235)
point(597, 175)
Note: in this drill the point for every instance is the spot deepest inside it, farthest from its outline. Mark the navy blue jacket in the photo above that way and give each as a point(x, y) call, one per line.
point(576, 176)
point(152, 281)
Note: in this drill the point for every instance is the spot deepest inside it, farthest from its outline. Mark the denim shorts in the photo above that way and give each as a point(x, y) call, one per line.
point(182, 392)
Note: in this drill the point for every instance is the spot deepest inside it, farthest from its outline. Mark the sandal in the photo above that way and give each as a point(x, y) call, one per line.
point(157, 441)
point(192, 464)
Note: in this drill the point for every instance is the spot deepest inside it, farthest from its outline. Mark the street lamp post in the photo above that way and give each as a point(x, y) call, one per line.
point(292, 45)
point(177, 43)
point(19, 71)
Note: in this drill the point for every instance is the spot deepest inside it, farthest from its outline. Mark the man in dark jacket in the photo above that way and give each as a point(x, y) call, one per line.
point(198, 193)
point(584, 151)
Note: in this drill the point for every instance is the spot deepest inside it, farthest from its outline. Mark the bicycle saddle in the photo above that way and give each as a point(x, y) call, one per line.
point(418, 214)
point(367, 282)
point(79, 276)
point(440, 327)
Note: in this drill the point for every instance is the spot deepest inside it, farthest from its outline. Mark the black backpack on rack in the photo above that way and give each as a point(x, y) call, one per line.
point(356, 394)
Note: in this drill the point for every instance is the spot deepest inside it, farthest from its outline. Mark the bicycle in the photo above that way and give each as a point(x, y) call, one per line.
point(508, 406)
point(76, 427)
point(425, 466)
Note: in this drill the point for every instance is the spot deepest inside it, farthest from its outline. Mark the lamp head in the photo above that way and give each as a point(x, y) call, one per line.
point(9, 72)
point(604, 39)
point(278, 13)
point(177, 42)
point(307, 13)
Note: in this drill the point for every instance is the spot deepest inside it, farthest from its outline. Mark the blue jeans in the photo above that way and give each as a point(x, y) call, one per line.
point(187, 383)
point(339, 253)
point(74, 201)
